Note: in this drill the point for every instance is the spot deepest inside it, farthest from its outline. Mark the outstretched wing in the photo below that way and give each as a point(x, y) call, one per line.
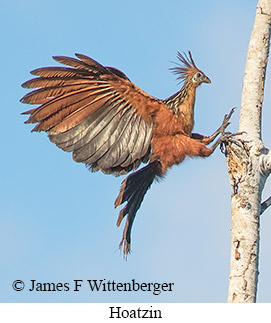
point(94, 112)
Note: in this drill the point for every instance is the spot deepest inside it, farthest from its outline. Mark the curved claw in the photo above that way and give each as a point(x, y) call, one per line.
point(228, 135)
point(226, 120)
point(224, 139)
point(228, 116)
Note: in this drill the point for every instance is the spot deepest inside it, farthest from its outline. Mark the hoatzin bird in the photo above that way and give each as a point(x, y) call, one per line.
point(111, 125)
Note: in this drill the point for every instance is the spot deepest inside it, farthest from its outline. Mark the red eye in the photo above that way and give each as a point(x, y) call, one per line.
point(198, 75)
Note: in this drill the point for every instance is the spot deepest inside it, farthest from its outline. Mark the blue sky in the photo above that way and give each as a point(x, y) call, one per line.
point(57, 221)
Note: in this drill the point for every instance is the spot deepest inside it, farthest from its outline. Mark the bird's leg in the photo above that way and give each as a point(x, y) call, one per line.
point(220, 130)
point(198, 136)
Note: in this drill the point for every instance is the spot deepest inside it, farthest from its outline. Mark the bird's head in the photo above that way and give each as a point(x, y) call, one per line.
point(187, 70)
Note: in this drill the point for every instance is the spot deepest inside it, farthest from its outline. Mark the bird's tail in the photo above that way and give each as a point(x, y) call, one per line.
point(133, 190)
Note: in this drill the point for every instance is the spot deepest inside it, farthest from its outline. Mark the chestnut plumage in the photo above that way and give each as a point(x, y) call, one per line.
point(111, 125)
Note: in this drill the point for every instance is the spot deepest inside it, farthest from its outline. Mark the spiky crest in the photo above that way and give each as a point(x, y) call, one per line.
point(186, 67)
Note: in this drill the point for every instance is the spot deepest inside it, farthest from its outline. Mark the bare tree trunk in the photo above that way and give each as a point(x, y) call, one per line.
point(249, 164)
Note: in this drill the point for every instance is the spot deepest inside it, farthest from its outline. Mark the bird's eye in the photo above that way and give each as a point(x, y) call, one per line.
point(197, 78)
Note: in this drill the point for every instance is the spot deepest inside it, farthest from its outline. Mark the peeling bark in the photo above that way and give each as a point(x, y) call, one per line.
point(249, 164)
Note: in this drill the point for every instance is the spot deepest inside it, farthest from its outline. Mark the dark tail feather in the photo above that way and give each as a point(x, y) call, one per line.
point(133, 190)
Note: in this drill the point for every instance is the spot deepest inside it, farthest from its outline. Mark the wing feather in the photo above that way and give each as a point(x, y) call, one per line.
point(99, 142)
point(45, 82)
point(122, 147)
point(59, 71)
point(96, 112)
point(36, 96)
point(108, 154)
point(71, 139)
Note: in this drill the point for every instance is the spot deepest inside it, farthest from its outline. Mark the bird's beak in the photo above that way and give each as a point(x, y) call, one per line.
point(206, 79)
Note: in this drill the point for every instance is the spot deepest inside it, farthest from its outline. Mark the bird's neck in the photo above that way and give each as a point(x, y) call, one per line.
point(182, 104)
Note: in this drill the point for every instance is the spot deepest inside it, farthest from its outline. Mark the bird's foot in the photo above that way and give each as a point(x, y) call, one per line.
point(221, 129)
point(228, 137)
point(226, 122)
point(225, 138)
